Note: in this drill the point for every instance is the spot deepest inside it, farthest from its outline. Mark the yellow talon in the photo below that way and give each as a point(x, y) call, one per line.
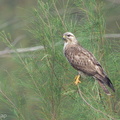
point(77, 79)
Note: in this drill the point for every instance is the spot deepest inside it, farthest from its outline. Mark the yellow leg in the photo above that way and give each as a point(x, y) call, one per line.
point(77, 79)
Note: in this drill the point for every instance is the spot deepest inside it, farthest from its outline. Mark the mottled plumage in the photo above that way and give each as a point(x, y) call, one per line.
point(83, 61)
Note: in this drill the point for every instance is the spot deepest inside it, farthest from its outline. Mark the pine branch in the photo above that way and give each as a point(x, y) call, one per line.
point(80, 93)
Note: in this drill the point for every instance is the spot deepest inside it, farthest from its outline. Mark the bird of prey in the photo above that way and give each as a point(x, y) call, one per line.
point(84, 61)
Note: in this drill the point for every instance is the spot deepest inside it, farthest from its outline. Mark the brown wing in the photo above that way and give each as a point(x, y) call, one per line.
point(81, 59)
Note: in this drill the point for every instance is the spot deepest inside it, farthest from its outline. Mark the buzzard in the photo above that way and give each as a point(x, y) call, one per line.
point(84, 61)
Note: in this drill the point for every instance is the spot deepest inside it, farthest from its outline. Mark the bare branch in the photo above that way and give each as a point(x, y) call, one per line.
point(9, 22)
point(112, 35)
point(16, 41)
point(21, 50)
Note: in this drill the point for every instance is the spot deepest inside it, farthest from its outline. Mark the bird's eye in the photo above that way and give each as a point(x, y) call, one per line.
point(68, 35)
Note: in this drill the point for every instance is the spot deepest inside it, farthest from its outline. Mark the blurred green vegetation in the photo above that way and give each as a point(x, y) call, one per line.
point(38, 85)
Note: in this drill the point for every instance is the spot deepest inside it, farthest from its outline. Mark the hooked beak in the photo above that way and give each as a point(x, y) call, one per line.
point(64, 37)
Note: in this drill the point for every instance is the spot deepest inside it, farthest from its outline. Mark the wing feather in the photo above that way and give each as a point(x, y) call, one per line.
point(81, 59)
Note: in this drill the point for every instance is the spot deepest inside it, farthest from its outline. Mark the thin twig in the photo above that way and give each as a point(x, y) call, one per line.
point(80, 93)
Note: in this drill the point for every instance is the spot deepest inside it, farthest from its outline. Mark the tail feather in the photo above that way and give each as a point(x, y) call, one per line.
point(104, 88)
point(109, 83)
point(104, 81)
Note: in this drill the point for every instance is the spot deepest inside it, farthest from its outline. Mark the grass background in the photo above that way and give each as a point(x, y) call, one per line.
point(40, 85)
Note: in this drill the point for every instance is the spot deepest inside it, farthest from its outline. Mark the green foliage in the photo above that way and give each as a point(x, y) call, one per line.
point(41, 87)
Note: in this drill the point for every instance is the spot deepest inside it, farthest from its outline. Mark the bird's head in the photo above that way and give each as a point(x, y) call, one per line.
point(69, 37)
